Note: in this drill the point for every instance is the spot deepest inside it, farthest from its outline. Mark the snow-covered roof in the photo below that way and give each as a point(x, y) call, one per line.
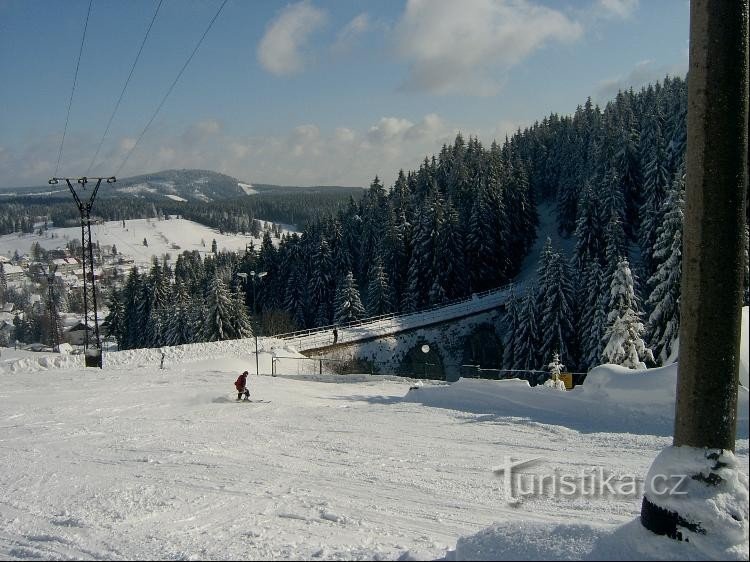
point(9, 268)
point(79, 326)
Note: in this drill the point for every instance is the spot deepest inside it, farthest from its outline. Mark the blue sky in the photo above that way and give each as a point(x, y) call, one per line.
point(311, 92)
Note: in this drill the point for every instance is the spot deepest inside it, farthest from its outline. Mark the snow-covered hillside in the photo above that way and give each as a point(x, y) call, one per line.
point(171, 236)
point(138, 462)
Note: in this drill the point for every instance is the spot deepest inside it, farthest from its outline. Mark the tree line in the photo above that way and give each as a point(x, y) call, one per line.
point(467, 217)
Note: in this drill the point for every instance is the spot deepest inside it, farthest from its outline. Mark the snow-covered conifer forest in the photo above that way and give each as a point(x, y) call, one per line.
point(465, 220)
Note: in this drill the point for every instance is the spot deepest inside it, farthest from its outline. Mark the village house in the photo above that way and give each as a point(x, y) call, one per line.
point(13, 272)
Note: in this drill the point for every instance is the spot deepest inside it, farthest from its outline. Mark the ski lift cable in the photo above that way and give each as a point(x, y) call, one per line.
point(122, 93)
point(72, 91)
point(169, 91)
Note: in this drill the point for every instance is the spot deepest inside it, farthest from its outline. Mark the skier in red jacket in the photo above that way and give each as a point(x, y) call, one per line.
point(241, 385)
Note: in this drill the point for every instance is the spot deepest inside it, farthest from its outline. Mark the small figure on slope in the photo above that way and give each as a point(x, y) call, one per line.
point(241, 386)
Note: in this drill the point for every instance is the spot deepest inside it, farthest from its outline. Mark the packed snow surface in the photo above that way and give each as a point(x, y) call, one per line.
point(138, 462)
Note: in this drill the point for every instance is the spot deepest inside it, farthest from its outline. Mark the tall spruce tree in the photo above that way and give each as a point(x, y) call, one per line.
point(217, 324)
point(348, 304)
point(665, 283)
point(115, 319)
point(557, 310)
point(512, 322)
point(526, 352)
point(655, 185)
point(589, 231)
point(378, 299)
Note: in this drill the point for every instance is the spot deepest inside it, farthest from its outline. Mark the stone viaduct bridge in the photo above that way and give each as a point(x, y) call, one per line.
point(432, 343)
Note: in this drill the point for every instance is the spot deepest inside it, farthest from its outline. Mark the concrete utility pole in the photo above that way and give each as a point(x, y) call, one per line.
point(711, 300)
point(713, 233)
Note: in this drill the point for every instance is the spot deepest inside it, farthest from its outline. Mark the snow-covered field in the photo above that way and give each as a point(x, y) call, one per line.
point(135, 462)
point(163, 237)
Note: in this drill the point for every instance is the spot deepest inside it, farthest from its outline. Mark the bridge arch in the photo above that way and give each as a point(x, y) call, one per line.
point(483, 347)
point(419, 364)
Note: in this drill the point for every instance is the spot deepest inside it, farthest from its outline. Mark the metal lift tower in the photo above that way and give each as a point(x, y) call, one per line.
point(92, 351)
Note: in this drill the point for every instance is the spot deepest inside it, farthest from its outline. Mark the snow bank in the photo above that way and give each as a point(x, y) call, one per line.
point(530, 540)
point(31, 362)
point(713, 497)
point(241, 349)
point(719, 510)
point(613, 399)
point(534, 540)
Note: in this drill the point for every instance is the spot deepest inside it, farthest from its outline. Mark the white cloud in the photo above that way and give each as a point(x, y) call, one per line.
point(202, 130)
point(643, 73)
point(303, 155)
point(388, 128)
point(281, 49)
point(357, 26)
point(343, 134)
point(622, 9)
point(467, 47)
point(125, 144)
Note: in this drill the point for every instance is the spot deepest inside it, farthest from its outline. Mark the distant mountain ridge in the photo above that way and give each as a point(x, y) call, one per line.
point(181, 185)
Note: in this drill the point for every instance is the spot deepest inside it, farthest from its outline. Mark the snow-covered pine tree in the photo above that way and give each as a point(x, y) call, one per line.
point(348, 305)
point(270, 293)
point(155, 328)
point(542, 268)
point(296, 295)
point(420, 261)
point(664, 300)
point(623, 336)
point(512, 311)
point(449, 255)
point(158, 283)
point(655, 184)
point(241, 326)
point(374, 216)
point(557, 308)
point(321, 284)
point(131, 297)
point(143, 308)
point(676, 129)
point(589, 231)
point(217, 323)
point(526, 353)
point(173, 320)
point(480, 251)
point(115, 320)
point(378, 290)
point(595, 335)
point(395, 255)
point(615, 247)
point(590, 288)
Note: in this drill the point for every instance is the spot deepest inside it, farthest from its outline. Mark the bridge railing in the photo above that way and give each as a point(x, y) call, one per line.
point(426, 313)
